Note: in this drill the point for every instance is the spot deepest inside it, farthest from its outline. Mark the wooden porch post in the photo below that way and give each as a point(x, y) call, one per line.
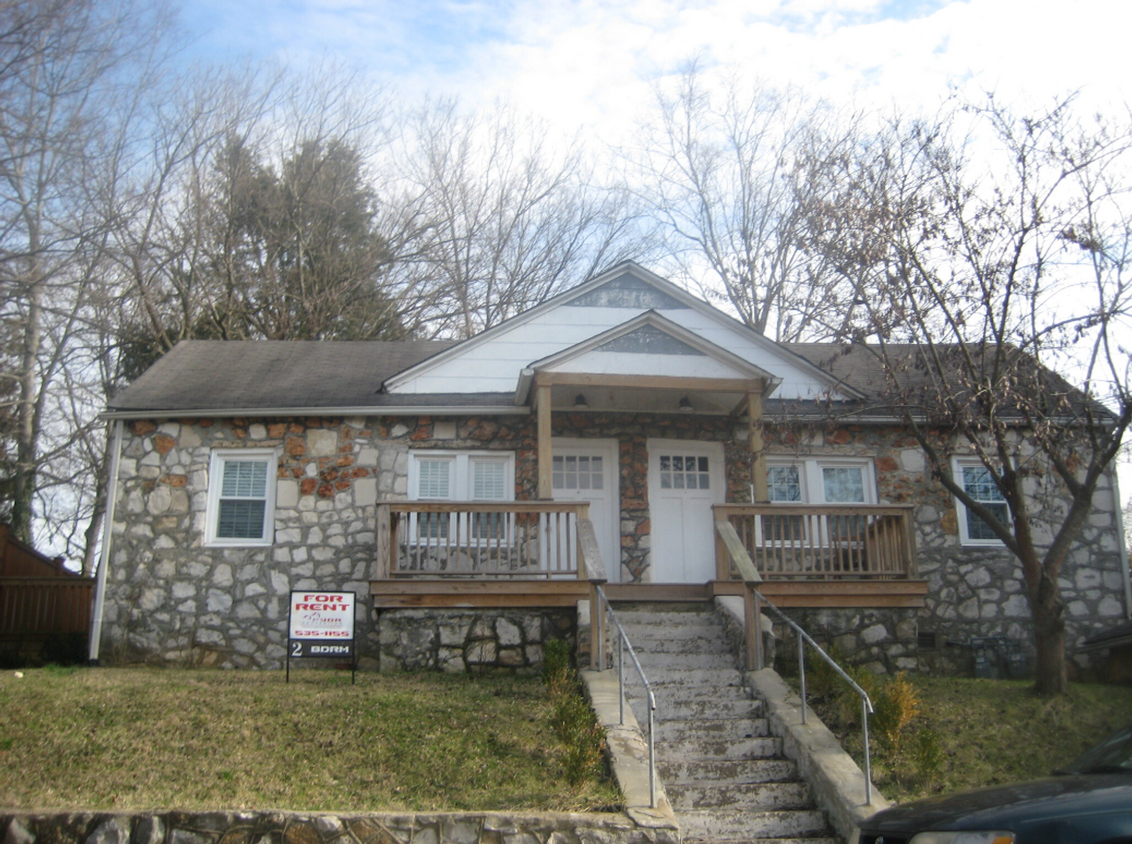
point(756, 443)
point(545, 488)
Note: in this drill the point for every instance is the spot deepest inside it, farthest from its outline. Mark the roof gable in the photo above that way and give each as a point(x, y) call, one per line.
point(651, 344)
point(494, 359)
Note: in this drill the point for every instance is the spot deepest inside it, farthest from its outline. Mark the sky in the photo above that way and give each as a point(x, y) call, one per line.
point(587, 65)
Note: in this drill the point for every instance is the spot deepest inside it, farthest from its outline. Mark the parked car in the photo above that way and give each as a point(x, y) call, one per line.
point(1088, 802)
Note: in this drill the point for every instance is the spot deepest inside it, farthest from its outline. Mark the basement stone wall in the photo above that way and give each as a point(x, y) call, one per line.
point(469, 641)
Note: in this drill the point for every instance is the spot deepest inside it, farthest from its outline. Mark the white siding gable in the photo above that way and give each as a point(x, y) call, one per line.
point(493, 363)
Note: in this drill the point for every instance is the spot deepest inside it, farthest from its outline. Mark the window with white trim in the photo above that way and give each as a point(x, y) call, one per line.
point(821, 481)
point(816, 481)
point(976, 480)
point(461, 476)
point(241, 497)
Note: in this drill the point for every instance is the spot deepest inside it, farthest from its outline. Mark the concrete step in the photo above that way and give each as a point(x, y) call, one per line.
point(691, 677)
point(748, 840)
point(709, 643)
point(729, 729)
point(725, 771)
point(675, 709)
point(655, 663)
point(672, 626)
point(639, 619)
point(748, 797)
point(669, 692)
point(742, 825)
point(701, 748)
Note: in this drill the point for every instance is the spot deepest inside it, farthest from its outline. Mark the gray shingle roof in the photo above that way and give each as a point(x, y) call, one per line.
point(214, 376)
point(273, 374)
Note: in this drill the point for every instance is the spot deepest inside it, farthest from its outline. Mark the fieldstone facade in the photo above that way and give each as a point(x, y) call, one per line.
point(171, 597)
point(470, 641)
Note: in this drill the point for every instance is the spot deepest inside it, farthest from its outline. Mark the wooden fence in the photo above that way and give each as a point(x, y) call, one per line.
point(35, 607)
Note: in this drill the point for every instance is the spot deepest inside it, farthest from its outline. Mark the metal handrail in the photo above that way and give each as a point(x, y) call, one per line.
point(866, 703)
point(627, 645)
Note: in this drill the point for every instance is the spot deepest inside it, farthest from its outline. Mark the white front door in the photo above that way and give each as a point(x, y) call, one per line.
point(586, 470)
point(685, 479)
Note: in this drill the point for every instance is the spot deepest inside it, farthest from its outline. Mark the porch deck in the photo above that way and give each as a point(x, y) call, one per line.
point(531, 554)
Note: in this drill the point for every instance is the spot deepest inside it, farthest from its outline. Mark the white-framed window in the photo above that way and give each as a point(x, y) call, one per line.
point(977, 482)
point(816, 481)
point(461, 476)
point(241, 497)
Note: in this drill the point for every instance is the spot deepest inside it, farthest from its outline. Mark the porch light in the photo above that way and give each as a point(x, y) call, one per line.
point(686, 405)
point(580, 402)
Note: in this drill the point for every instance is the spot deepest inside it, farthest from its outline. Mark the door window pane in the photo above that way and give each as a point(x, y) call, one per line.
point(684, 472)
point(577, 472)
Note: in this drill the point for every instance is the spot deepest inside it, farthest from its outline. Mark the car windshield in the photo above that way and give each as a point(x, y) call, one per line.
point(1113, 755)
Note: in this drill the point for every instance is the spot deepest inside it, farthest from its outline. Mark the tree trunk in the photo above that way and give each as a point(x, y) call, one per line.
point(1048, 611)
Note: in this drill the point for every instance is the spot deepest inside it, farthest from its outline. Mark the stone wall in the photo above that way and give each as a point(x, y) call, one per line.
point(973, 591)
point(173, 598)
point(251, 827)
point(170, 597)
point(459, 641)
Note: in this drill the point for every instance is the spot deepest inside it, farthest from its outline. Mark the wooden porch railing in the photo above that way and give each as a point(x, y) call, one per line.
point(821, 542)
point(37, 606)
point(519, 539)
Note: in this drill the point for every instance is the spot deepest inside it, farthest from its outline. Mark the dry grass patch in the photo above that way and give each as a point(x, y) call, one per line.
point(987, 732)
point(119, 739)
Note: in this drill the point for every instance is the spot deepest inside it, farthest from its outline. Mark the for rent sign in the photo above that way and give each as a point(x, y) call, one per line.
point(322, 624)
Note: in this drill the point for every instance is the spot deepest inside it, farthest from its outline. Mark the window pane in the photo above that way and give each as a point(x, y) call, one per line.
point(783, 483)
point(240, 519)
point(244, 479)
point(434, 479)
point(978, 529)
point(844, 485)
point(979, 484)
point(488, 480)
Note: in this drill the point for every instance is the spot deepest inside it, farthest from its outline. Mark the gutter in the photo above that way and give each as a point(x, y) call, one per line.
point(107, 539)
point(213, 413)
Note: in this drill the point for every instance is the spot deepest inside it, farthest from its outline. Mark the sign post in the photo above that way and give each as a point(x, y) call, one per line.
point(321, 626)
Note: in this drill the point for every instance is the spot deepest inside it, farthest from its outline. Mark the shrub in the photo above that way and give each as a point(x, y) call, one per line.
point(927, 755)
point(895, 704)
point(583, 740)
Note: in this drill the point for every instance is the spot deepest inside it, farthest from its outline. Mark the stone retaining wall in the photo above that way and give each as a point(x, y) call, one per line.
point(291, 828)
point(458, 641)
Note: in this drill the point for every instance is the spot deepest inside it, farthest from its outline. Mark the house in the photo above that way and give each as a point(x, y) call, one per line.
point(445, 483)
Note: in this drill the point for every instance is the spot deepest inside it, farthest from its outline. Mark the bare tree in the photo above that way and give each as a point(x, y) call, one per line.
point(72, 69)
point(732, 170)
point(503, 218)
point(979, 283)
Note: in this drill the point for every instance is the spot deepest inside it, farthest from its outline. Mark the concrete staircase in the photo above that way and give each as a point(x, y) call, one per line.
point(725, 777)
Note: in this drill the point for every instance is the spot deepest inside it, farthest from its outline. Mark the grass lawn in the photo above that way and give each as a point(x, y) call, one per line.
point(120, 739)
point(994, 731)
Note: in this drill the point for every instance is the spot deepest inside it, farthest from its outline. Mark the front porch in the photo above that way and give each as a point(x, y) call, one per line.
point(544, 554)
